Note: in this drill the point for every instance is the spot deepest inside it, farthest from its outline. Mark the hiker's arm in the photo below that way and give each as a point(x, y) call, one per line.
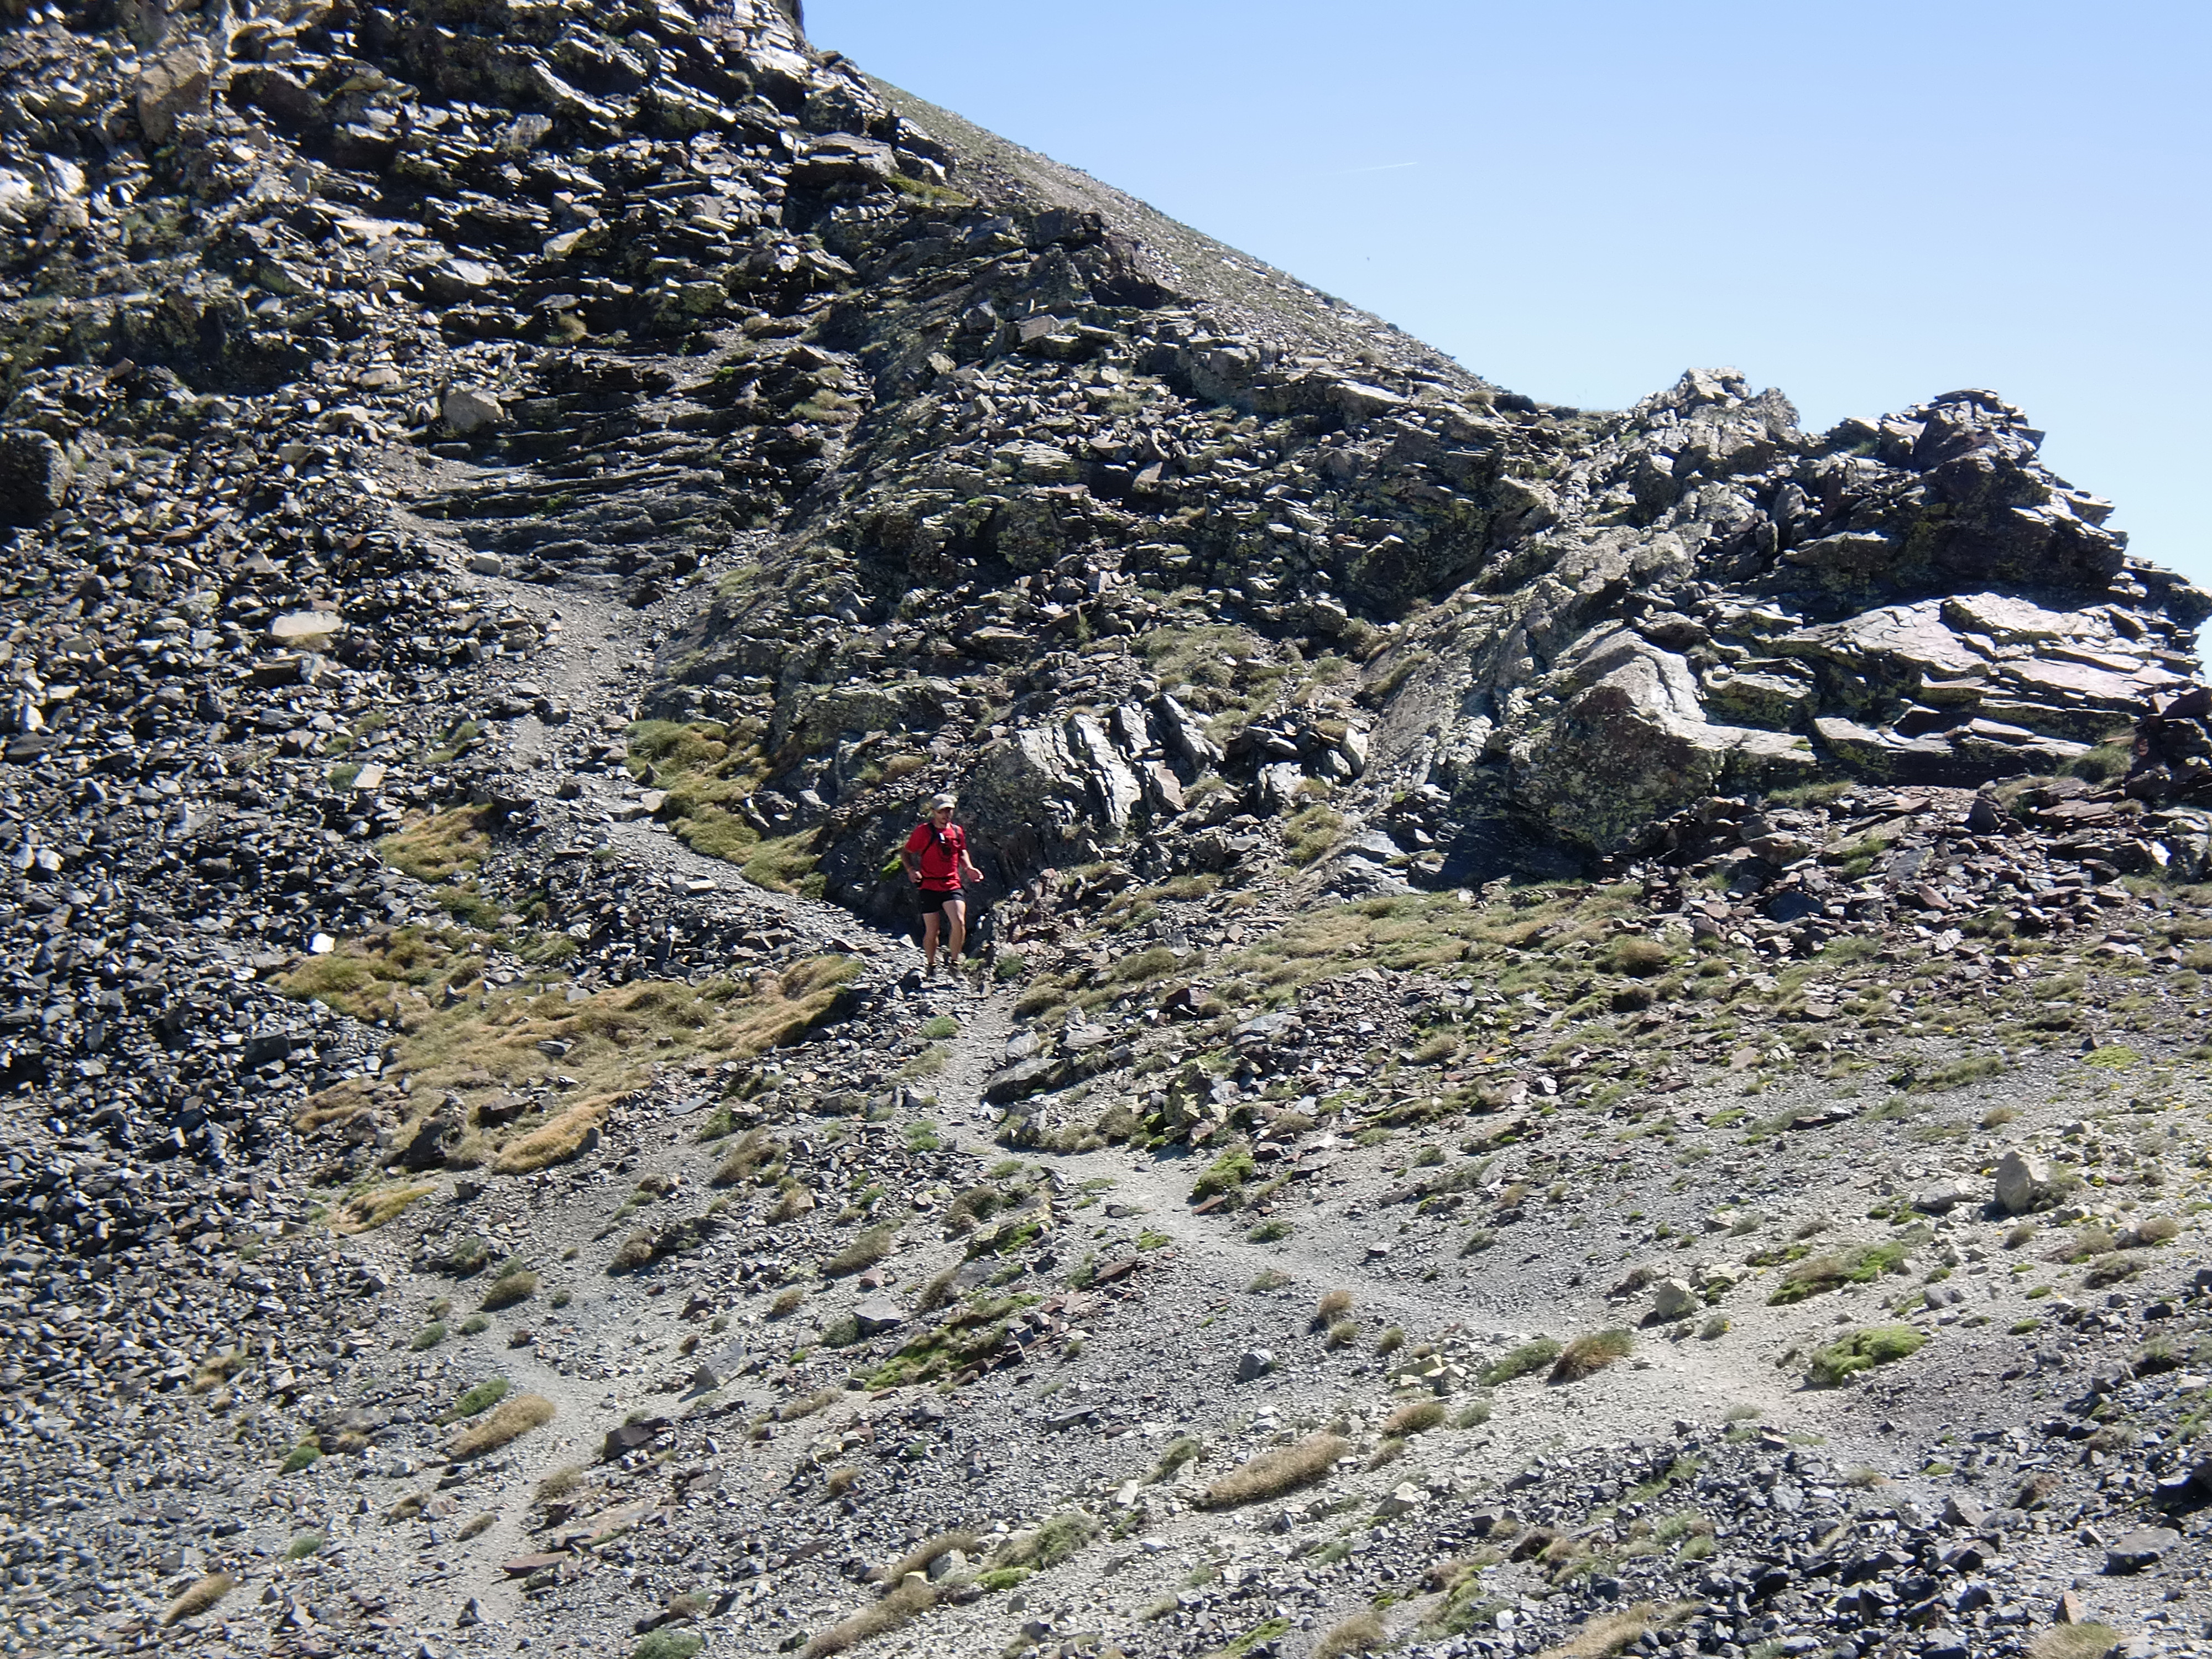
point(967, 870)
point(912, 862)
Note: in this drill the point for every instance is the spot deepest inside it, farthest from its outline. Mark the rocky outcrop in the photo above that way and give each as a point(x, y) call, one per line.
point(1005, 482)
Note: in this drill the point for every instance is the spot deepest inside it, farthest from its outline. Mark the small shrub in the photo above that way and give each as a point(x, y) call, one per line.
point(1638, 957)
point(428, 1337)
point(302, 1546)
point(838, 1482)
point(560, 1483)
point(1268, 1280)
point(668, 1644)
point(1268, 1231)
point(1335, 1305)
point(1226, 1173)
point(1586, 1355)
point(1390, 1341)
point(1862, 1350)
point(1474, 1415)
point(476, 1525)
point(1056, 1540)
point(1273, 1472)
point(1180, 1450)
point(1344, 1333)
point(510, 1288)
point(304, 1455)
point(634, 1253)
point(937, 1027)
point(1531, 1356)
point(478, 1400)
point(1817, 1273)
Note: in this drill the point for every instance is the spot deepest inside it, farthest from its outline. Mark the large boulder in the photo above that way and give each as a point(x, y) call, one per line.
point(173, 84)
point(2022, 1183)
point(34, 475)
point(1630, 742)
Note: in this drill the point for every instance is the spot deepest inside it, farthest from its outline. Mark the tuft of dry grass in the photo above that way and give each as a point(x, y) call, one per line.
point(1335, 1305)
point(1415, 1417)
point(515, 1418)
point(863, 1252)
point(2075, 1642)
point(908, 1598)
point(1586, 1355)
point(632, 1253)
point(1344, 1333)
point(838, 1482)
point(200, 1597)
point(458, 1034)
point(918, 1558)
point(793, 1202)
point(559, 1484)
point(753, 1150)
point(807, 1404)
point(1615, 1633)
point(1361, 1634)
point(365, 1211)
point(1272, 1473)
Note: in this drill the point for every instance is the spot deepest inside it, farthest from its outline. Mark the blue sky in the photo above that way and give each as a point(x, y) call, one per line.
point(1863, 205)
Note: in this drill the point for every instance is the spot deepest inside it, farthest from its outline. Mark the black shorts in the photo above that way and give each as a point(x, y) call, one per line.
point(932, 901)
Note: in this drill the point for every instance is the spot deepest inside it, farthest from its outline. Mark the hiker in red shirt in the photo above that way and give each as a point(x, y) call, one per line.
point(936, 859)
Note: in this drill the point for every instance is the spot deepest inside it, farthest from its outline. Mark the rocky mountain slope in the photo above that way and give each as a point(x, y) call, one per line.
point(1582, 1035)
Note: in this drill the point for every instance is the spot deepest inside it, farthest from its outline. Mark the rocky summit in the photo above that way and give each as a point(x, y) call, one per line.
point(1583, 1033)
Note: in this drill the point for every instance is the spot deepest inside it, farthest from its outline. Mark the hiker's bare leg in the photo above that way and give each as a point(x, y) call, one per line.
point(929, 939)
point(955, 919)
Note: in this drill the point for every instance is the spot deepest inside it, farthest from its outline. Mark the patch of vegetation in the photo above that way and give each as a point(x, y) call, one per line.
point(1055, 1540)
point(1816, 1273)
point(480, 1399)
point(1862, 1350)
point(1226, 1173)
point(1415, 1417)
point(1588, 1355)
point(459, 1034)
point(199, 1597)
point(441, 846)
point(1361, 1634)
point(907, 1601)
point(1531, 1356)
point(513, 1286)
point(512, 1419)
point(1310, 832)
point(863, 1252)
point(1273, 1472)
